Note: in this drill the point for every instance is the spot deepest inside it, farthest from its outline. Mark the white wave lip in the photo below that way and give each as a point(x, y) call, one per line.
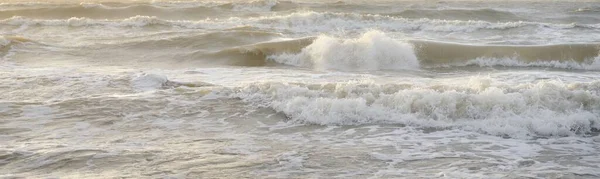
point(547, 108)
point(372, 51)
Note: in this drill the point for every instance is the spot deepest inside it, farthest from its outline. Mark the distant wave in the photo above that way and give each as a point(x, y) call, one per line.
point(101, 11)
point(490, 15)
point(198, 10)
point(302, 22)
point(215, 8)
point(67, 7)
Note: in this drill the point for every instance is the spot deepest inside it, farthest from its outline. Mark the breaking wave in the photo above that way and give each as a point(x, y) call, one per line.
point(374, 50)
point(545, 108)
point(371, 51)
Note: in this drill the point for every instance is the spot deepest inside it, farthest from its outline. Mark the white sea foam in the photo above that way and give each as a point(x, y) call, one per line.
point(372, 51)
point(546, 108)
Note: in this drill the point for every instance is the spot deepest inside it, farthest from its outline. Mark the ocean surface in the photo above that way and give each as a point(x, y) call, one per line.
point(299, 89)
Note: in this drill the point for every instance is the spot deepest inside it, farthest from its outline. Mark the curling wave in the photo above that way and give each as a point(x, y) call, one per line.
point(255, 54)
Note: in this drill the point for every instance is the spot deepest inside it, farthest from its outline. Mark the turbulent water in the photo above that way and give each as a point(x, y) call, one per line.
point(300, 89)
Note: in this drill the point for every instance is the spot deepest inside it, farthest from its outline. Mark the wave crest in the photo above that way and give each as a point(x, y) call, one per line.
point(373, 51)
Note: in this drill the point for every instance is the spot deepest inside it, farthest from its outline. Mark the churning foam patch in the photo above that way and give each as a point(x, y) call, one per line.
point(545, 108)
point(372, 51)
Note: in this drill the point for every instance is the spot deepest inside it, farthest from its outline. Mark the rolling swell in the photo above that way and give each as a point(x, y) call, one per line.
point(372, 51)
point(124, 10)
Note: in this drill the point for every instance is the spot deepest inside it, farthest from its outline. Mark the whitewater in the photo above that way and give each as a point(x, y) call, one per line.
point(299, 89)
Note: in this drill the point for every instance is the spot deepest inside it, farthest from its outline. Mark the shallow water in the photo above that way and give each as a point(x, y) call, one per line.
point(299, 89)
